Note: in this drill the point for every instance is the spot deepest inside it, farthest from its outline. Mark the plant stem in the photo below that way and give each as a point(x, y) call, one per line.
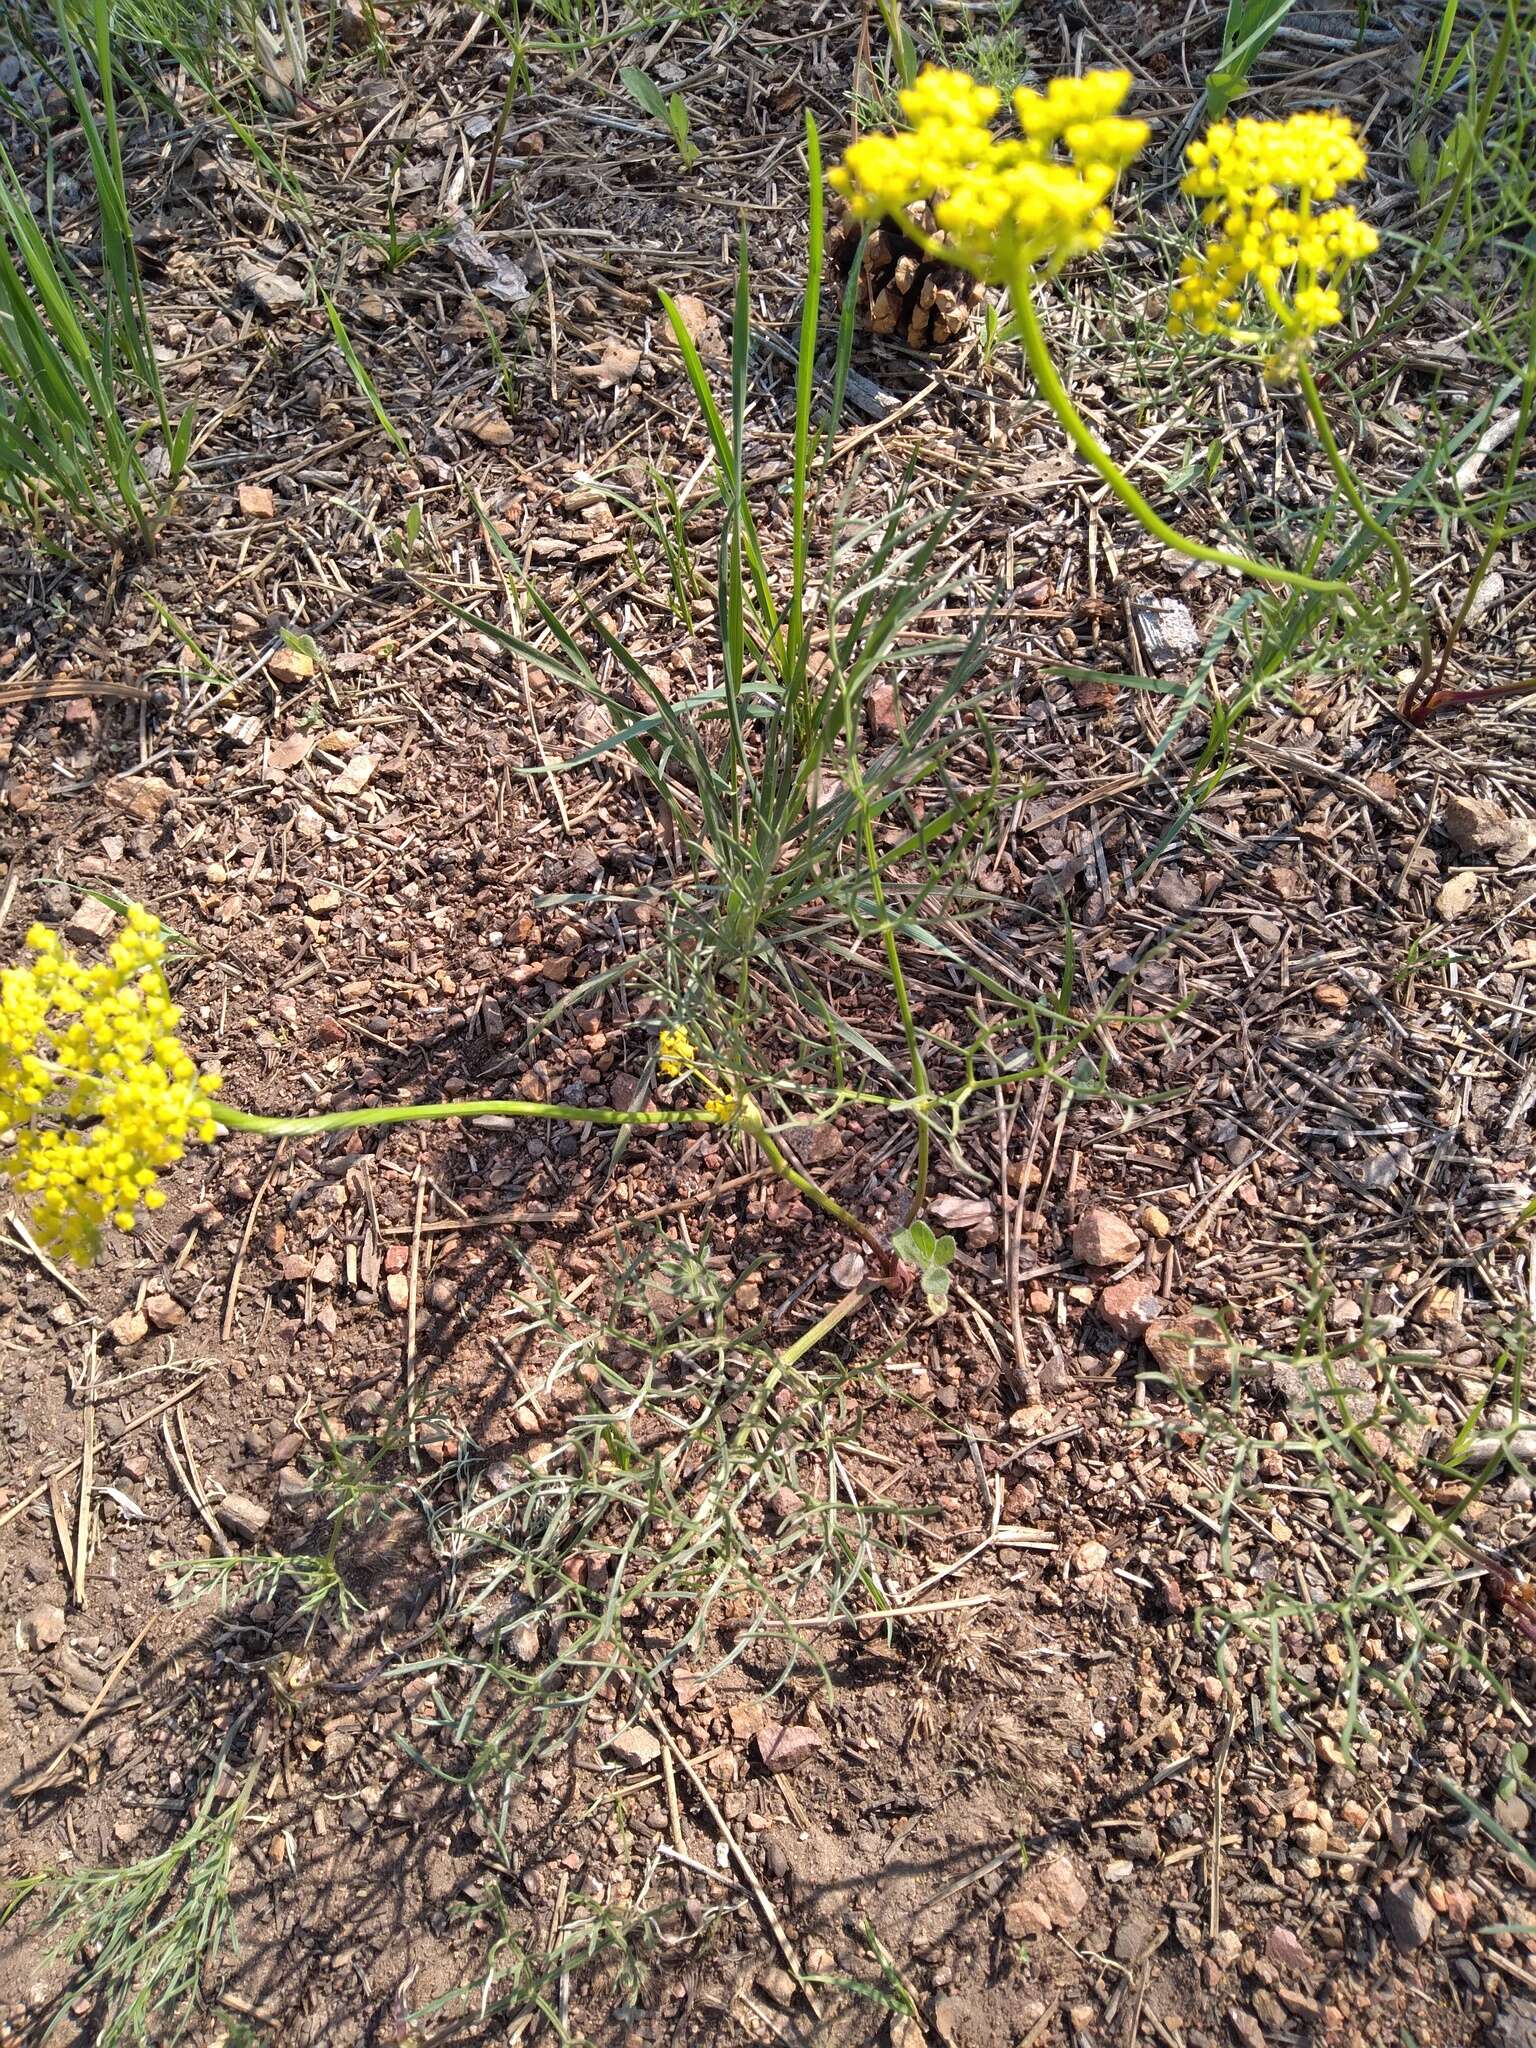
point(752, 1123)
point(1426, 694)
point(748, 1117)
point(442, 1112)
point(904, 1009)
point(1054, 392)
point(1351, 489)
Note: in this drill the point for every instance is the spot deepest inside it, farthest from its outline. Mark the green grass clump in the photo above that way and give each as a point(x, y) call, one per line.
point(77, 360)
point(1344, 1523)
point(146, 1933)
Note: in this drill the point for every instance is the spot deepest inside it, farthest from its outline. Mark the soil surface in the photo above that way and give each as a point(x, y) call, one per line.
point(950, 1755)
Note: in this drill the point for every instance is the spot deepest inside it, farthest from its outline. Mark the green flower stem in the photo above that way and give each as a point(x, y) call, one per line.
point(1054, 392)
point(444, 1112)
point(750, 1120)
point(1351, 489)
point(904, 1008)
point(746, 1116)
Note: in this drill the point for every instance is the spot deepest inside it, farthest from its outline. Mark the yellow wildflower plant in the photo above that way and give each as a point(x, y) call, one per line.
point(97, 1094)
point(1275, 235)
point(1003, 204)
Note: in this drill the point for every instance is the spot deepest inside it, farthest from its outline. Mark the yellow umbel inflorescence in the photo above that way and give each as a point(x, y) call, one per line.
point(1002, 203)
point(1268, 189)
point(678, 1051)
point(97, 1094)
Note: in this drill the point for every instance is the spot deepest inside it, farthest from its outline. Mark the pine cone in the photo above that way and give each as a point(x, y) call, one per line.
point(902, 289)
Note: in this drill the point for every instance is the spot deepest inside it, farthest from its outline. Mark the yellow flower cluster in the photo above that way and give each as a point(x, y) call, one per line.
point(677, 1051)
point(97, 1094)
point(1001, 203)
point(1268, 188)
point(679, 1055)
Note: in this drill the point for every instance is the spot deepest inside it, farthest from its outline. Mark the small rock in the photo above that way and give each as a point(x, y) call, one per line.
point(1059, 1889)
point(143, 797)
point(1314, 1388)
point(1515, 2025)
point(848, 1271)
point(351, 27)
point(290, 665)
point(1101, 1238)
point(907, 2032)
point(1489, 592)
point(811, 1143)
point(286, 1449)
point(272, 290)
point(948, 2021)
point(1155, 1221)
point(1130, 1307)
point(884, 711)
point(1024, 1918)
point(960, 1212)
point(778, 1984)
point(1475, 825)
point(781, 1748)
point(1246, 2028)
point(292, 1486)
point(241, 1517)
point(164, 1311)
point(1089, 1558)
point(89, 922)
point(1512, 1812)
point(397, 1292)
point(1285, 1951)
point(355, 777)
point(1175, 891)
point(257, 502)
point(781, 1505)
point(1167, 631)
point(286, 754)
point(1193, 1346)
point(491, 429)
point(438, 1444)
point(1409, 1916)
point(638, 1747)
point(1458, 895)
point(1137, 1937)
point(1169, 1591)
point(128, 1329)
point(624, 1090)
point(42, 1628)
